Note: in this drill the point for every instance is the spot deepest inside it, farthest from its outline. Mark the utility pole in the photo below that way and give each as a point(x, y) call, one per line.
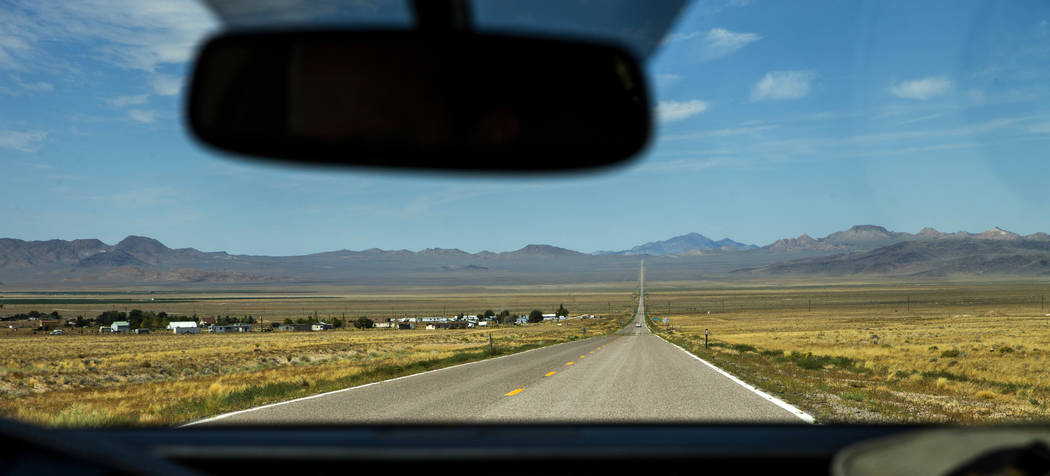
point(809, 305)
point(909, 304)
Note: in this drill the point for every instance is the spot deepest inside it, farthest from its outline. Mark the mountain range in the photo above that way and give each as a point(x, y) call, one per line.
point(861, 250)
point(692, 242)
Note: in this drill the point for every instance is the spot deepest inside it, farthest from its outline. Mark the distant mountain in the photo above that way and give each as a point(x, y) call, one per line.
point(859, 250)
point(868, 237)
point(541, 251)
point(983, 254)
point(681, 244)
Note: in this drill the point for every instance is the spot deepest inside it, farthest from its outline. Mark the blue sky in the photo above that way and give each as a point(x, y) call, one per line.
point(775, 119)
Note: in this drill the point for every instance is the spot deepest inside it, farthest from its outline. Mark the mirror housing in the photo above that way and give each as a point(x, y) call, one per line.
point(410, 99)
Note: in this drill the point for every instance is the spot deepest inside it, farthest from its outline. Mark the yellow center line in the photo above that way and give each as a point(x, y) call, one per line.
point(570, 363)
point(583, 356)
point(514, 392)
point(592, 352)
point(550, 373)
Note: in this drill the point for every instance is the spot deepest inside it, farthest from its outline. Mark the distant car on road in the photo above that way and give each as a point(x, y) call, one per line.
point(56, 332)
point(637, 324)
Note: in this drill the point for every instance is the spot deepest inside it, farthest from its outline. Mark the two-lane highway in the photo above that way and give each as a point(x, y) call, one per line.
point(630, 376)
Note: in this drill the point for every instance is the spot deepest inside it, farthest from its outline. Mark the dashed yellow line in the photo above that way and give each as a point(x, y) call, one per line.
point(570, 363)
point(514, 392)
point(591, 352)
point(583, 356)
point(548, 374)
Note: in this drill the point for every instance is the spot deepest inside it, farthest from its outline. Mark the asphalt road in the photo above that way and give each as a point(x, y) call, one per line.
point(632, 376)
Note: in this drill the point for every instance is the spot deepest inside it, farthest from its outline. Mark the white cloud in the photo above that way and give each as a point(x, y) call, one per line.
point(782, 85)
point(670, 111)
point(716, 42)
point(922, 89)
point(143, 116)
point(23, 141)
point(121, 101)
point(727, 132)
point(23, 87)
point(667, 79)
point(1043, 128)
point(134, 34)
point(13, 51)
point(167, 85)
point(680, 165)
point(673, 37)
point(976, 97)
point(720, 42)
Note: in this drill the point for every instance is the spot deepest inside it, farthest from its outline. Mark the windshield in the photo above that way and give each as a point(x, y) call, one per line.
point(839, 218)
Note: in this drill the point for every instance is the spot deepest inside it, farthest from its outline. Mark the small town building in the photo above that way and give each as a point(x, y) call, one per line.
point(141, 330)
point(406, 325)
point(105, 329)
point(231, 328)
point(184, 327)
point(294, 327)
point(321, 326)
point(120, 326)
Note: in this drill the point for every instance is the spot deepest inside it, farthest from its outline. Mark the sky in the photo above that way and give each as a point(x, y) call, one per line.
point(773, 119)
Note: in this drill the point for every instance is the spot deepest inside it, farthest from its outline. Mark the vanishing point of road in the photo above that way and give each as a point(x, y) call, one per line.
point(632, 376)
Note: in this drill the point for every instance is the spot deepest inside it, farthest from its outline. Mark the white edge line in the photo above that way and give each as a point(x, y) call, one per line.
point(319, 395)
point(806, 417)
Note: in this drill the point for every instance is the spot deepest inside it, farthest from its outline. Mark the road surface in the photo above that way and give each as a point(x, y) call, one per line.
point(632, 376)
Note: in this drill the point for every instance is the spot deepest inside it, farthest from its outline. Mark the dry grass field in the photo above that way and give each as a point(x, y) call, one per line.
point(163, 379)
point(276, 304)
point(946, 352)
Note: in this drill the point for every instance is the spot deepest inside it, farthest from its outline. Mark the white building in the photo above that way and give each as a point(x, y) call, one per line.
point(184, 327)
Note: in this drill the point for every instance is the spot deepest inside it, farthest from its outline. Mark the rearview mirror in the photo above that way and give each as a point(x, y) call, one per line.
point(420, 100)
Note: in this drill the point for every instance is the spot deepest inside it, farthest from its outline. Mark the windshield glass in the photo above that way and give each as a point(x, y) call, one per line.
point(839, 218)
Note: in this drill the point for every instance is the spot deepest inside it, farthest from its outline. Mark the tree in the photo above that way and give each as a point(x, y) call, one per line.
point(80, 321)
point(489, 314)
point(108, 317)
point(364, 323)
point(561, 312)
point(288, 320)
point(536, 315)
